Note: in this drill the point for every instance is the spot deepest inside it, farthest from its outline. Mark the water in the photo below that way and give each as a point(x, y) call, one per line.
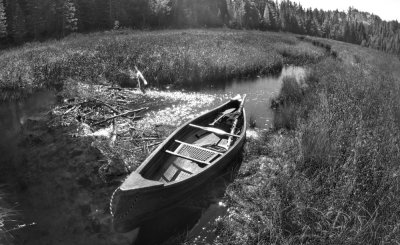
point(14, 115)
point(59, 154)
point(197, 222)
point(259, 92)
point(192, 219)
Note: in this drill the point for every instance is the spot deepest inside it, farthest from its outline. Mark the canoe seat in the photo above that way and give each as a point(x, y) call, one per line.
point(194, 153)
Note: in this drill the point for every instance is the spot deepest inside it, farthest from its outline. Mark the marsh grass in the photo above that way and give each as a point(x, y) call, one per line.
point(286, 104)
point(252, 121)
point(5, 216)
point(165, 57)
point(334, 177)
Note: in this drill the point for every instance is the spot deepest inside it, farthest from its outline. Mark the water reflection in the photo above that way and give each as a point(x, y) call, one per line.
point(192, 219)
point(14, 114)
point(259, 90)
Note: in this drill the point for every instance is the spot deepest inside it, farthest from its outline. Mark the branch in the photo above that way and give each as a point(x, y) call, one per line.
point(122, 115)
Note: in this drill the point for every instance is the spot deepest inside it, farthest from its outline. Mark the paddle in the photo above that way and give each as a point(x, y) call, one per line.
point(227, 112)
point(224, 114)
point(215, 131)
point(228, 144)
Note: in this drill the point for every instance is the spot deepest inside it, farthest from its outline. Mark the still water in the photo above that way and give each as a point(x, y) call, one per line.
point(259, 92)
point(196, 221)
point(14, 114)
point(194, 218)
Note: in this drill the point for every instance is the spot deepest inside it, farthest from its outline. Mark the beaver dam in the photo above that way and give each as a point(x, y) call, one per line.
point(66, 152)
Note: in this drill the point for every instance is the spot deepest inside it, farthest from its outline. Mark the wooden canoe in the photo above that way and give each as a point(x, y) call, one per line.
point(194, 154)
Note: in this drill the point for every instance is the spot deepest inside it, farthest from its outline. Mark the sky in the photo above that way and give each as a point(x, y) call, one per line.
point(386, 9)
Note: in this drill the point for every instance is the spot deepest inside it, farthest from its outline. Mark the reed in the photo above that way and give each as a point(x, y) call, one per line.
point(166, 57)
point(333, 178)
point(5, 215)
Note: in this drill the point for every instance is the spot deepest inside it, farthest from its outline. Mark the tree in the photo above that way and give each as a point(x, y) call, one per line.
point(18, 23)
point(70, 22)
point(267, 17)
point(3, 20)
point(325, 28)
point(251, 16)
point(161, 9)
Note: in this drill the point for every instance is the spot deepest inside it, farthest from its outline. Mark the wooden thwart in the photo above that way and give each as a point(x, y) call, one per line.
point(186, 157)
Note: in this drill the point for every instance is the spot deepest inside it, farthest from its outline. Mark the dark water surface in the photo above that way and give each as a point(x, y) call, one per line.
point(15, 114)
point(192, 219)
point(197, 221)
point(56, 179)
point(259, 92)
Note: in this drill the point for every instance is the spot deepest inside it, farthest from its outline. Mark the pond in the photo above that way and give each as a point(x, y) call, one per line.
point(14, 115)
point(259, 90)
point(56, 158)
point(197, 223)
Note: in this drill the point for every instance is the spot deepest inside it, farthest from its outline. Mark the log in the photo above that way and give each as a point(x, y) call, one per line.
point(71, 109)
point(108, 106)
point(122, 115)
point(140, 76)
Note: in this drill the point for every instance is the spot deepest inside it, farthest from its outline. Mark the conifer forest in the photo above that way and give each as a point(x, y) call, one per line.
point(23, 20)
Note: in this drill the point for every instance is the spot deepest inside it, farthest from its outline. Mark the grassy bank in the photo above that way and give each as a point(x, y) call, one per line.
point(78, 67)
point(166, 57)
point(5, 216)
point(329, 173)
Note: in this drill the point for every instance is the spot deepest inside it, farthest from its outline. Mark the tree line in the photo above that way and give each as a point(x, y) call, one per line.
point(25, 20)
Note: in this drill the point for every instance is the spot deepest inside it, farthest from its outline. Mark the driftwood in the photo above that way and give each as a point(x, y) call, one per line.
point(114, 88)
point(134, 150)
point(141, 147)
point(121, 115)
point(71, 109)
point(147, 139)
point(140, 76)
point(108, 106)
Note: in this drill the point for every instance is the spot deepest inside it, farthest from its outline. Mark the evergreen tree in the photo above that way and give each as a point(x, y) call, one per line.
point(325, 28)
point(70, 22)
point(3, 20)
point(161, 10)
point(18, 23)
point(23, 20)
point(267, 17)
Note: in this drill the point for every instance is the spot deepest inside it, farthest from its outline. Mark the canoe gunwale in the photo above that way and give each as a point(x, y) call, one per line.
point(167, 193)
point(172, 137)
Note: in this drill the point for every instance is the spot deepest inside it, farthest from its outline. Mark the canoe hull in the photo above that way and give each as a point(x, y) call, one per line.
point(149, 204)
point(144, 199)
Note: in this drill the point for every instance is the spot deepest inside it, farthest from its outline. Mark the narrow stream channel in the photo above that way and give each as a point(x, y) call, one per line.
point(193, 218)
point(259, 92)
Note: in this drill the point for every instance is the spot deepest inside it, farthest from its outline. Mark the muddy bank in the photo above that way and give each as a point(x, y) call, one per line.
point(67, 158)
point(52, 167)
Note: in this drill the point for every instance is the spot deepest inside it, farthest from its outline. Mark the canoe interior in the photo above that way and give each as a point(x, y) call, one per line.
point(202, 145)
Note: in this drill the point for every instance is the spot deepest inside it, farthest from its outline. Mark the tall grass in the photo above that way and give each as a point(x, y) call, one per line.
point(5, 215)
point(335, 178)
point(286, 105)
point(166, 57)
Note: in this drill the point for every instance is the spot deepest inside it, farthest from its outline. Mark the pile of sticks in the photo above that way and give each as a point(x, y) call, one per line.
point(109, 115)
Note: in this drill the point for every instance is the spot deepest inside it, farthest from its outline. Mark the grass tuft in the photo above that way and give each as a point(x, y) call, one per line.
point(333, 178)
point(5, 215)
point(165, 57)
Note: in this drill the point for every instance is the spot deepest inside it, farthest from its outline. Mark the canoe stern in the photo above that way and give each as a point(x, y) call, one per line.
point(133, 201)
